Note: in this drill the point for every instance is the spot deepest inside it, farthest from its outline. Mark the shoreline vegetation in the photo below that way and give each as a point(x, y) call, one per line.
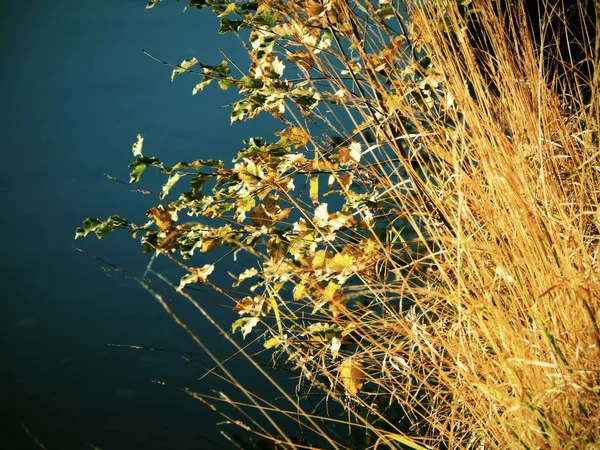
point(420, 241)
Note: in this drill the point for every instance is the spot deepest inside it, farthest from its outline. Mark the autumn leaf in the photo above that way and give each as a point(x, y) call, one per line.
point(321, 215)
point(336, 344)
point(246, 274)
point(341, 262)
point(345, 180)
point(230, 8)
point(268, 213)
point(249, 172)
point(314, 190)
point(243, 205)
point(336, 301)
point(302, 58)
point(261, 217)
point(254, 306)
point(273, 342)
point(295, 136)
point(300, 291)
point(245, 325)
point(318, 260)
point(350, 155)
point(163, 217)
point(352, 376)
point(196, 275)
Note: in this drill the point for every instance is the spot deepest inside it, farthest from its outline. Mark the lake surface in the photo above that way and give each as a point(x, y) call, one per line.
point(76, 91)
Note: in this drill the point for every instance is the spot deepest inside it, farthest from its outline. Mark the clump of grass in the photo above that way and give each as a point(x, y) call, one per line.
point(500, 348)
point(515, 287)
point(452, 300)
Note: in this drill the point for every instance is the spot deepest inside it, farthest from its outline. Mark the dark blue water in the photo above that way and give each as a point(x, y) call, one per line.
point(76, 90)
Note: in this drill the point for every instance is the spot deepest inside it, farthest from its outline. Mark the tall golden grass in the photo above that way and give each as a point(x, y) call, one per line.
point(476, 327)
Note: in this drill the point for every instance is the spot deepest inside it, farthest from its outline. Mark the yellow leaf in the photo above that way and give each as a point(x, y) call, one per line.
point(330, 290)
point(340, 262)
point(300, 292)
point(314, 190)
point(355, 151)
point(352, 376)
point(319, 259)
point(336, 301)
point(338, 220)
point(314, 8)
point(230, 8)
point(348, 329)
point(245, 324)
point(249, 172)
point(273, 342)
point(295, 136)
point(244, 205)
point(206, 245)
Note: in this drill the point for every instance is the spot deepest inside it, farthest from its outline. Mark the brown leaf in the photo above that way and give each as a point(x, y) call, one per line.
point(302, 58)
point(164, 218)
point(261, 217)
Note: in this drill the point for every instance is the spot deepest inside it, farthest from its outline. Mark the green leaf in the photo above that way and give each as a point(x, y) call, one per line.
point(222, 69)
point(245, 325)
point(228, 10)
point(184, 67)
point(425, 62)
point(325, 41)
point(305, 98)
point(152, 3)
point(252, 83)
point(99, 227)
point(200, 86)
point(140, 165)
point(228, 25)
point(240, 109)
point(227, 83)
point(199, 163)
point(196, 4)
point(173, 179)
point(256, 147)
point(265, 18)
point(227, 180)
point(214, 3)
point(246, 274)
